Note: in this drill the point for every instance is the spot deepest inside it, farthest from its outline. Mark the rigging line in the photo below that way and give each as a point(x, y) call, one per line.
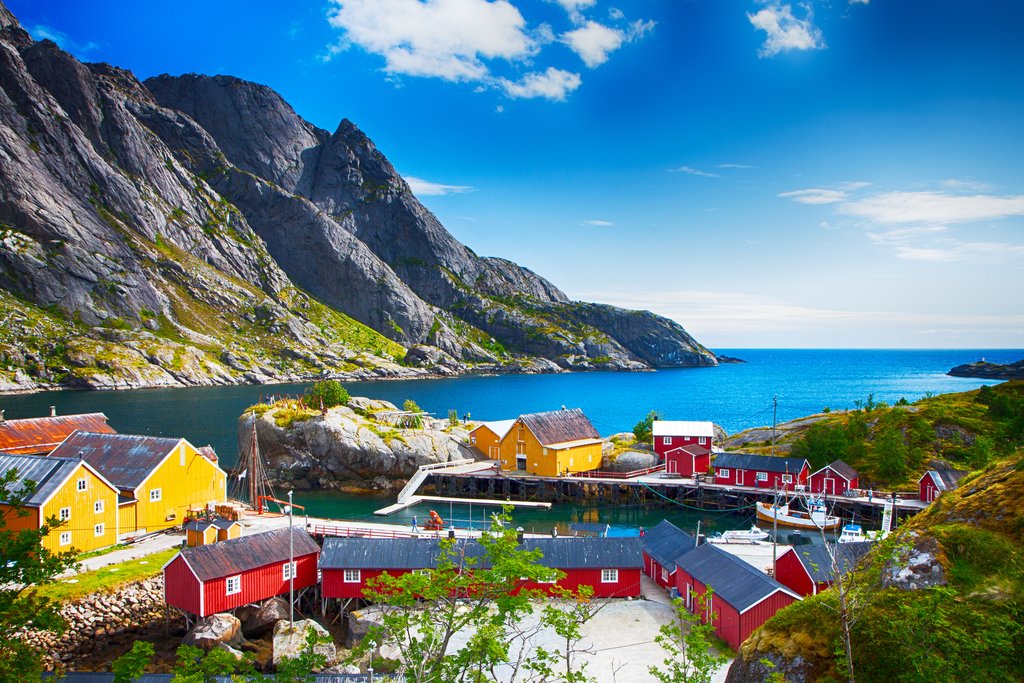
point(694, 507)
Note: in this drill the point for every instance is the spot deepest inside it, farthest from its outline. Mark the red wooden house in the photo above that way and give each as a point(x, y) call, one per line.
point(743, 597)
point(834, 479)
point(760, 471)
point(684, 446)
point(934, 482)
point(611, 566)
point(215, 578)
point(810, 569)
point(662, 546)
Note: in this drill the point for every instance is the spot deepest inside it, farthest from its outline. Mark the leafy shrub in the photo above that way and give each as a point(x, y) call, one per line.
point(642, 429)
point(328, 393)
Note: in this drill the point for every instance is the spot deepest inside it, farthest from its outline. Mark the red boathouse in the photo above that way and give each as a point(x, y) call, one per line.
point(810, 569)
point(743, 598)
point(834, 479)
point(671, 436)
point(934, 482)
point(215, 578)
point(760, 471)
point(662, 546)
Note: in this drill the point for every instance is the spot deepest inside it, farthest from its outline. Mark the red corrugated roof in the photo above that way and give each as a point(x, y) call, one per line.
point(40, 435)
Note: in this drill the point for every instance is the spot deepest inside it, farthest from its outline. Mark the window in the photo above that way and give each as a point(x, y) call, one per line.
point(65, 514)
point(155, 495)
point(98, 530)
point(762, 476)
point(666, 440)
point(65, 538)
point(287, 570)
point(787, 478)
point(724, 472)
point(609, 576)
point(703, 441)
point(520, 448)
point(352, 576)
point(97, 507)
point(233, 585)
point(472, 439)
point(83, 484)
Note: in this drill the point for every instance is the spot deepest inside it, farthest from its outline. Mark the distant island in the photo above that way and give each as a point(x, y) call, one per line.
point(982, 369)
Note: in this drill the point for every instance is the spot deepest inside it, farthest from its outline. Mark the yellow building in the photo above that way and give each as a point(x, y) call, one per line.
point(159, 479)
point(67, 489)
point(551, 444)
point(486, 437)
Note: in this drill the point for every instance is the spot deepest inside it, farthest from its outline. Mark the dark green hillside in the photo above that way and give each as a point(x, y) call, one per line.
point(891, 446)
point(953, 608)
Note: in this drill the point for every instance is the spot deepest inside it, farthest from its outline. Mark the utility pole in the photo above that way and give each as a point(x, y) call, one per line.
point(775, 533)
point(775, 417)
point(291, 565)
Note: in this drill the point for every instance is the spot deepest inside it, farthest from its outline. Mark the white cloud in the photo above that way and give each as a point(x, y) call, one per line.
point(965, 185)
point(853, 186)
point(447, 39)
point(815, 195)
point(614, 13)
point(599, 224)
point(553, 84)
point(576, 5)
point(689, 170)
point(734, 166)
point(784, 31)
point(933, 207)
point(593, 42)
point(425, 188)
point(860, 2)
point(43, 32)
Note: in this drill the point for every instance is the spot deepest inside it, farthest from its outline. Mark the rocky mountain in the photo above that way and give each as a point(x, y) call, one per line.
point(196, 230)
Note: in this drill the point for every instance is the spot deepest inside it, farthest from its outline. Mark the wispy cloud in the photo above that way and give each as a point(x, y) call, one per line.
point(594, 42)
point(43, 32)
point(965, 185)
point(690, 170)
point(784, 32)
point(426, 188)
point(815, 195)
point(933, 207)
point(553, 84)
point(599, 224)
point(740, 166)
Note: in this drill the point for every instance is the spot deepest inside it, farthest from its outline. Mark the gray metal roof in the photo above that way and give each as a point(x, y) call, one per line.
point(767, 463)
point(559, 426)
point(125, 459)
point(666, 543)
point(818, 562)
point(946, 480)
point(842, 469)
point(422, 553)
point(47, 472)
point(738, 583)
point(238, 555)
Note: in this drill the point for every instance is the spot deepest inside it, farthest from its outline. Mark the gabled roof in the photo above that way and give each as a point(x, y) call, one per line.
point(945, 480)
point(766, 463)
point(818, 563)
point(124, 459)
point(682, 428)
point(208, 453)
point(560, 426)
point(840, 468)
point(499, 427)
point(197, 525)
point(40, 435)
point(222, 523)
point(238, 555)
point(48, 473)
point(738, 583)
point(666, 543)
point(694, 449)
point(582, 552)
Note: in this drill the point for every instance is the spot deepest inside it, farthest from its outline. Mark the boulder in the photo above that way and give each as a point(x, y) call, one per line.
point(290, 641)
point(237, 654)
point(215, 629)
point(630, 461)
point(360, 622)
point(263, 618)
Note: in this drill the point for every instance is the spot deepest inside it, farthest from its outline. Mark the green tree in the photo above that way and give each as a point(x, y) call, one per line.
point(642, 429)
point(686, 640)
point(821, 444)
point(25, 564)
point(891, 454)
point(196, 666)
point(327, 394)
point(415, 421)
point(132, 664)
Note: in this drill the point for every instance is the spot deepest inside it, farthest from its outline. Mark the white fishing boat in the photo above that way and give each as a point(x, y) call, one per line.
point(751, 535)
point(852, 533)
point(816, 517)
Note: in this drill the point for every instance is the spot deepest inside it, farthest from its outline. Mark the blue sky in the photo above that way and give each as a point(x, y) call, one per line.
point(836, 173)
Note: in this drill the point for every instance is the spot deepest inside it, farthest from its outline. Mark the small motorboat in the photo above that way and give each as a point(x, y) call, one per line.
point(852, 533)
point(816, 516)
point(751, 535)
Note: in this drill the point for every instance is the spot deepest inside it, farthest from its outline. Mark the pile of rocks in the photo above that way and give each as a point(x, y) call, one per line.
point(102, 620)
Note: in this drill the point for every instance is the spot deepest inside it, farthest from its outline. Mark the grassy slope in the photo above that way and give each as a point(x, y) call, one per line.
point(107, 578)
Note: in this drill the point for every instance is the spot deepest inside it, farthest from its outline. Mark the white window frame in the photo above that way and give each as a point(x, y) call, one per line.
point(352, 576)
point(287, 570)
point(65, 538)
point(609, 576)
point(787, 478)
point(156, 495)
point(666, 441)
point(762, 476)
point(703, 441)
point(65, 514)
point(233, 582)
point(723, 473)
point(99, 529)
point(98, 507)
point(83, 484)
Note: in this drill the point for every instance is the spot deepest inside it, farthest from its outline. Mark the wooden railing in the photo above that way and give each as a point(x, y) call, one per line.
point(598, 474)
point(362, 532)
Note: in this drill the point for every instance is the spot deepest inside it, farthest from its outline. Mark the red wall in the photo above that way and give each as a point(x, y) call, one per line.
point(750, 479)
point(181, 587)
point(654, 570)
point(817, 483)
point(927, 490)
point(334, 585)
point(259, 584)
point(685, 464)
point(662, 448)
point(790, 572)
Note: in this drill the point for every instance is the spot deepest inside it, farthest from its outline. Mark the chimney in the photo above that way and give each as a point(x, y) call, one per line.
point(520, 535)
point(53, 411)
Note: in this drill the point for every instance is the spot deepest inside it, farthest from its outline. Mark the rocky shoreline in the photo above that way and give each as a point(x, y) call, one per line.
point(982, 369)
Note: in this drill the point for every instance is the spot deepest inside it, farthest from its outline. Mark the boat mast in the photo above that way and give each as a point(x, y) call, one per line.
point(775, 416)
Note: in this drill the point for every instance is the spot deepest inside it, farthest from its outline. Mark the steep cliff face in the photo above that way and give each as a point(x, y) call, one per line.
point(204, 212)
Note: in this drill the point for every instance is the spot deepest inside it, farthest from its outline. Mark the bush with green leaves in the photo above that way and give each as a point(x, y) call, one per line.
point(642, 429)
point(327, 394)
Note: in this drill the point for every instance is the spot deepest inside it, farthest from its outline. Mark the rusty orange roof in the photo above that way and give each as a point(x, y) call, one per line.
point(40, 435)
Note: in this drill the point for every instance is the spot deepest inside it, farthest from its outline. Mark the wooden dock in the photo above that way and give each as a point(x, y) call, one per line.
point(415, 500)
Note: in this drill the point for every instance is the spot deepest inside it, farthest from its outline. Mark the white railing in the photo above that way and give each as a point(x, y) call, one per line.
point(421, 474)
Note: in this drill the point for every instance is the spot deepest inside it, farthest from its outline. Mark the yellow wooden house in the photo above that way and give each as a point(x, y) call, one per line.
point(67, 489)
point(159, 479)
point(486, 437)
point(551, 444)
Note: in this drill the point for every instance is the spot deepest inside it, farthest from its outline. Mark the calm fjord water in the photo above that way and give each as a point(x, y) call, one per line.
point(736, 396)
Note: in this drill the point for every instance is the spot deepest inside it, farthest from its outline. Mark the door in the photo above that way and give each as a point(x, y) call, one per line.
point(494, 452)
point(739, 477)
point(671, 466)
point(689, 597)
point(830, 486)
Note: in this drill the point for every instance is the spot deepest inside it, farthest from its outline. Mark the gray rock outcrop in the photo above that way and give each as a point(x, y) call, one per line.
point(213, 631)
point(290, 641)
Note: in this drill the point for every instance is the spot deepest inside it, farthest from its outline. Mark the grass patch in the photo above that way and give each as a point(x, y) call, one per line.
point(106, 579)
point(100, 551)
